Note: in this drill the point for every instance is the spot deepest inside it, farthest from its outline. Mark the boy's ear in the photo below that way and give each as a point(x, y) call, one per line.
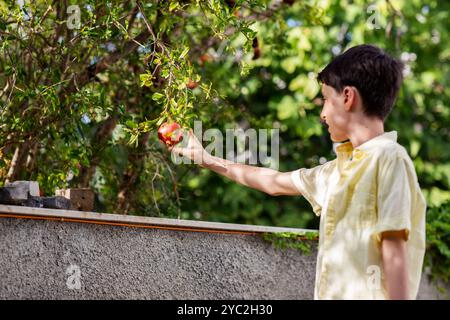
point(349, 97)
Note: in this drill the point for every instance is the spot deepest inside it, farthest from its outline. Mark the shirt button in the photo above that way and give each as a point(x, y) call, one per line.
point(357, 154)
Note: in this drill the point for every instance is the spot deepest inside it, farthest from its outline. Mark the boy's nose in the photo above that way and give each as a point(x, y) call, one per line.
point(322, 115)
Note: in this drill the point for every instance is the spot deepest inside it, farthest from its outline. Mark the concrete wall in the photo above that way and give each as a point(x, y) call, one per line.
point(40, 259)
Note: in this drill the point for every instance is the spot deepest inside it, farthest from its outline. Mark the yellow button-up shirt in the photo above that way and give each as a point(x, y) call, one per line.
point(363, 192)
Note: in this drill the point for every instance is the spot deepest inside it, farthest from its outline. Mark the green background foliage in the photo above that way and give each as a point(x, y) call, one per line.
point(438, 245)
point(80, 107)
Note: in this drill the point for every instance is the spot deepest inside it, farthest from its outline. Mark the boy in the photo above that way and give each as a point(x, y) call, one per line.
point(372, 212)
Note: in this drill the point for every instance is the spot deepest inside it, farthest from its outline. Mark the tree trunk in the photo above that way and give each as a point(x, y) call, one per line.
point(136, 160)
point(18, 162)
point(101, 137)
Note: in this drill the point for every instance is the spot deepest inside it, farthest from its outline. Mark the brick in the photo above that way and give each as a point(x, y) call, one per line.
point(13, 195)
point(57, 202)
point(35, 202)
point(80, 199)
point(32, 187)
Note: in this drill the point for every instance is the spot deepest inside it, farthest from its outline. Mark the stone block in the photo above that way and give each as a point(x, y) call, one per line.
point(35, 202)
point(18, 192)
point(56, 202)
point(81, 199)
point(31, 186)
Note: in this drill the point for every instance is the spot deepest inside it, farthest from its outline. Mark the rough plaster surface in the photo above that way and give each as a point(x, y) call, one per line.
point(136, 263)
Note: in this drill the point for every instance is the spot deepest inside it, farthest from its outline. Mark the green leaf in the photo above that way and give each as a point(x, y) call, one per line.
point(287, 108)
point(134, 140)
point(415, 147)
point(173, 5)
point(306, 85)
point(157, 96)
point(160, 121)
point(131, 124)
point(184, 53)
point(146, 79)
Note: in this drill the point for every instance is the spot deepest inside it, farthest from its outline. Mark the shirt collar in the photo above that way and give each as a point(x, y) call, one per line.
point(378, 140)
point(347, 147)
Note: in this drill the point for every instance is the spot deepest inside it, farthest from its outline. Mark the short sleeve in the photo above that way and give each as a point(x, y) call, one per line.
point(394, 198)
point(312, 184)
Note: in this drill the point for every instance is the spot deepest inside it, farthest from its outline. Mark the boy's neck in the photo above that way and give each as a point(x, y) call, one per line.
point(363, 131)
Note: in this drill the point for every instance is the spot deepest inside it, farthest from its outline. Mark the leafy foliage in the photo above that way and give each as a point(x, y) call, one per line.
point(292, 240)
point(438, 242)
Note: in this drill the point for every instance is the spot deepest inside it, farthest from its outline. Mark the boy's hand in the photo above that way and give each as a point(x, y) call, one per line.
point(191, 148)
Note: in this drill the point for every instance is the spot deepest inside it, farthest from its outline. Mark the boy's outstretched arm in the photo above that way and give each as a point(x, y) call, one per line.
point(266, 180)
point(394, 257)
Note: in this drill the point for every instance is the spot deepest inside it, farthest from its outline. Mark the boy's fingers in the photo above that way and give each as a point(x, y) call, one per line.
point(176, 150)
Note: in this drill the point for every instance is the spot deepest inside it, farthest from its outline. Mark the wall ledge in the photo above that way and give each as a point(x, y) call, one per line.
point(139, 221)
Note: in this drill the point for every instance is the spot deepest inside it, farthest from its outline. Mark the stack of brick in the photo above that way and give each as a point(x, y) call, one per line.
point(27, 193)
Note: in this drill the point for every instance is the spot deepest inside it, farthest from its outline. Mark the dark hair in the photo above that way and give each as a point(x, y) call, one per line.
point(377, 76)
